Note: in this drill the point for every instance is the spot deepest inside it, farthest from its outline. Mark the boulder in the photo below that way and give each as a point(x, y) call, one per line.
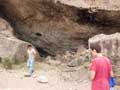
point(110, 44)
point(79, 58)
point(10, 46)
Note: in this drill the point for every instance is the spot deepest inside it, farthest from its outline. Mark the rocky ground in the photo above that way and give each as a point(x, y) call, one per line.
point(59, 78)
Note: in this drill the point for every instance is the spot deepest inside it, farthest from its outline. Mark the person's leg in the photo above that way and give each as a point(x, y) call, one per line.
point(31, 68)
point(111, 88)
point(28, 66)
point(28, 63)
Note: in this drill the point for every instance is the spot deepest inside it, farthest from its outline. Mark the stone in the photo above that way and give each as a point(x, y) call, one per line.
point(14, 49)
point(42, 79)
point(53, 62)
point(108, 43)
point(11, 47)
point(79, 59)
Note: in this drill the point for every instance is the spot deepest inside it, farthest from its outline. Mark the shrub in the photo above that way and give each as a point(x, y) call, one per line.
point(7, 63)
point(17, 62)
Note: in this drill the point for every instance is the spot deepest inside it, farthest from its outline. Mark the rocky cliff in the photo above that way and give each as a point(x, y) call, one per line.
point(57, 26)
point(99, 4)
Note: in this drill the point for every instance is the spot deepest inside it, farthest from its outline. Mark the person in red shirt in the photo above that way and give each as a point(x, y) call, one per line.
point(100, 69)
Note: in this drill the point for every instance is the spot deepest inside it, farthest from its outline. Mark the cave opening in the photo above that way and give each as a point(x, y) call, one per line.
point(86, 17)
point(82, 16)
point(42, 52)
point(5, 15)
point(2, 12)
point(38, 34)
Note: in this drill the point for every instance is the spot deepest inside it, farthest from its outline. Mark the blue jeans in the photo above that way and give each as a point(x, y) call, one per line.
point(30, 65)
point(111, 88)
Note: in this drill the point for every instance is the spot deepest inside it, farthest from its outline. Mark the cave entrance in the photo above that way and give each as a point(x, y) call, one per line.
point(42, 52)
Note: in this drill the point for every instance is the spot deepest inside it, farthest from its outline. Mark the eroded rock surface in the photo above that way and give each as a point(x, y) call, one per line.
point(10, 46)
point(55, 26)
point(100, 4)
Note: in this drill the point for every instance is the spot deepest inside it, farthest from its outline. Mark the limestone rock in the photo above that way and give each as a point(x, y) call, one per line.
point(42, 79)
point(100, 4)
point(79, 58)
point(10, 46)
point(52, 62)
point(109, 44)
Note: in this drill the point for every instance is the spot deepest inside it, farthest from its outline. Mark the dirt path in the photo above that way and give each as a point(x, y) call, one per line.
point(15, 80)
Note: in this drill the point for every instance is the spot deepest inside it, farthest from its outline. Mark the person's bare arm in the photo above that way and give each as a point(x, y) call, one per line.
point(92, 75)
point(111, 73)
point(34, 51)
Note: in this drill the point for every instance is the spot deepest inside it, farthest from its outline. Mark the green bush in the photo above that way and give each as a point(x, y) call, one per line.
point(7, 63)
point(17, 62)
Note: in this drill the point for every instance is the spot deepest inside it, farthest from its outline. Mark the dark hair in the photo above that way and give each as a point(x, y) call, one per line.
point(29, 46)
point(96, 47)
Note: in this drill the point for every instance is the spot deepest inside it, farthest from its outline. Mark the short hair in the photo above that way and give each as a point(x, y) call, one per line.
point(95, 46)
point(29, 45)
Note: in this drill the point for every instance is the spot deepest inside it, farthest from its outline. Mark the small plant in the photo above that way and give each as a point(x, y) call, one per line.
point(7, 63)
point(17, 62)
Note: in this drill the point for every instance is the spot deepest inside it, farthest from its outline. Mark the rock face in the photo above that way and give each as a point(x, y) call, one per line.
point(110, 45)
point(101, 4)
point(10, 46)
point(54, 27)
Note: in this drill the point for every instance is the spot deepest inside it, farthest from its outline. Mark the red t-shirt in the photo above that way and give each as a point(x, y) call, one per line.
point(102, 67)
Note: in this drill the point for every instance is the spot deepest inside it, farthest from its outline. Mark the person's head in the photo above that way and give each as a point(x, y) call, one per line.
point(95, 49)
point(29, 46)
